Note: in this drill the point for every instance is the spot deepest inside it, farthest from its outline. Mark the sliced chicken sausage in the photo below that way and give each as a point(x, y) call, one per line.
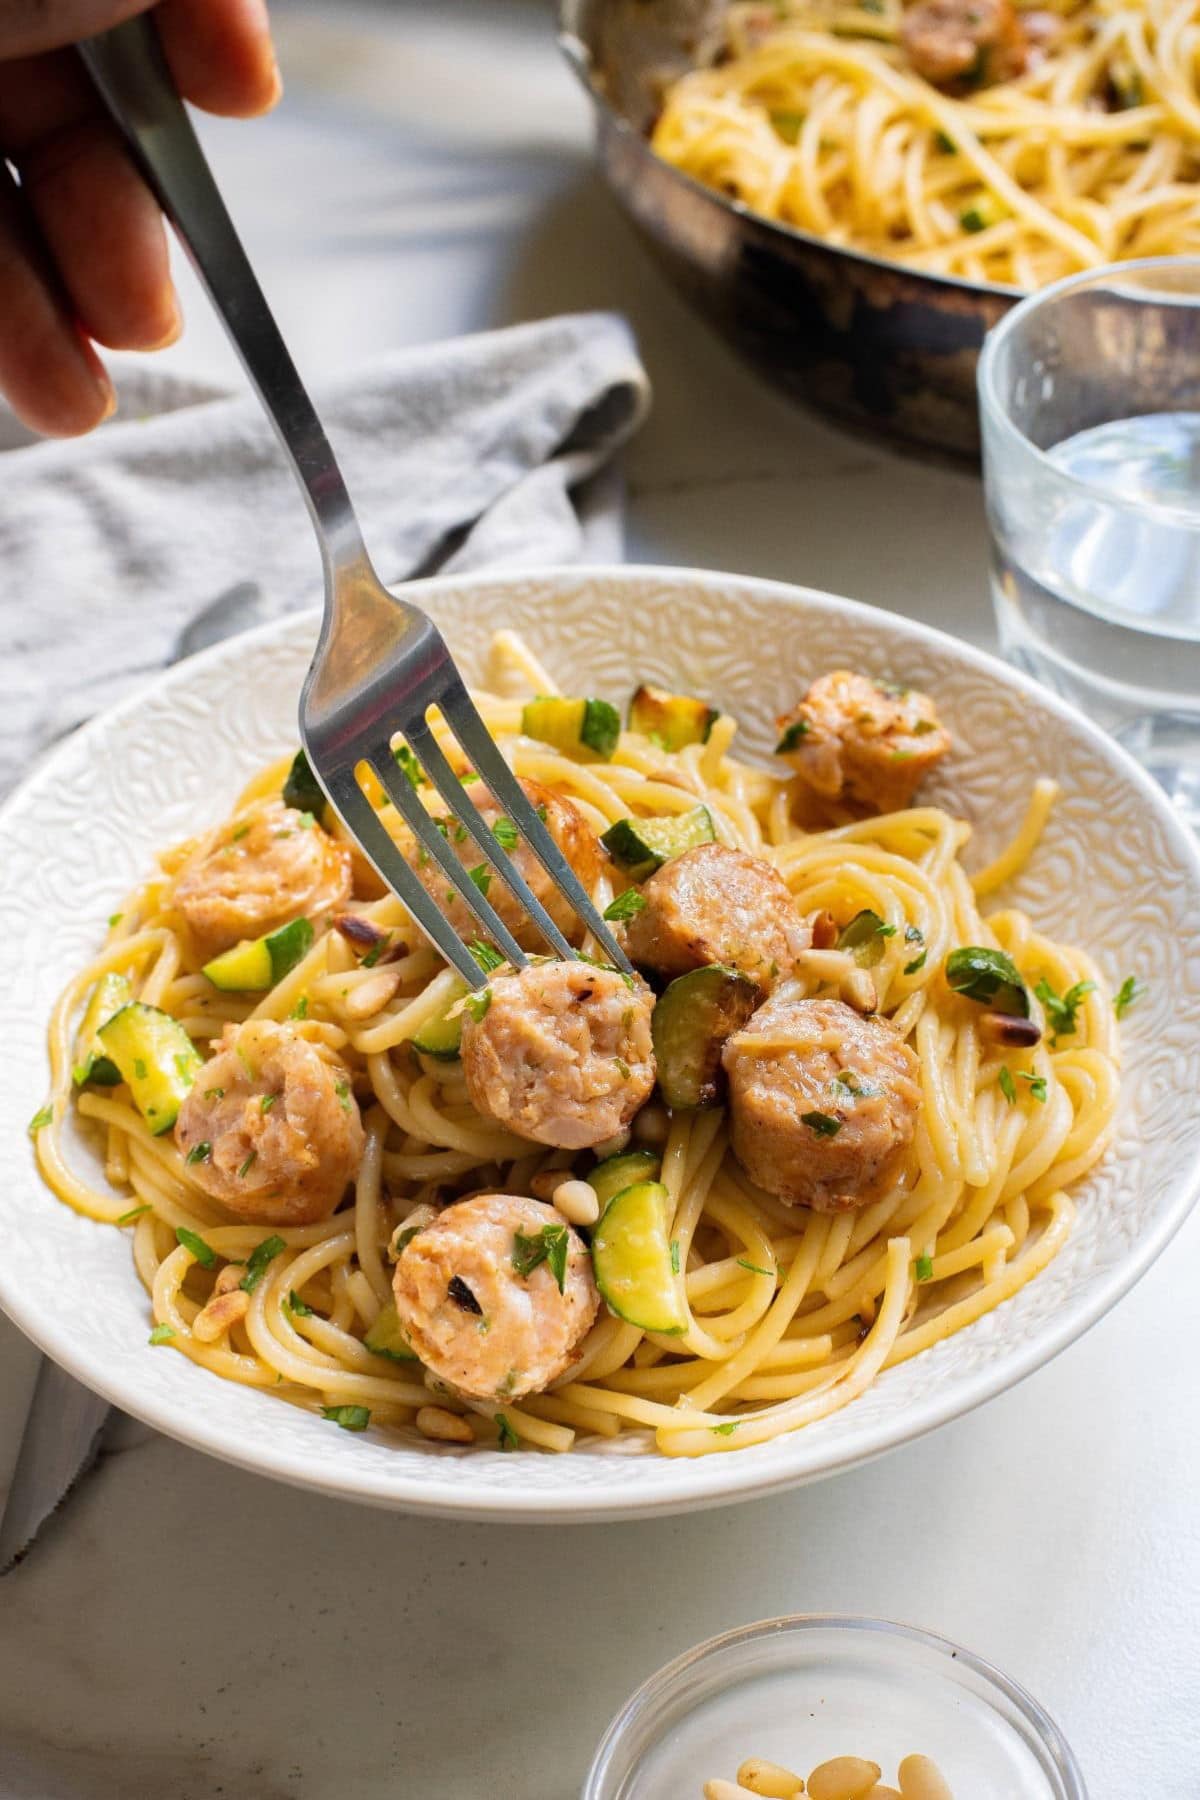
point(268, 865)
point(855, 740)
point(718, 905)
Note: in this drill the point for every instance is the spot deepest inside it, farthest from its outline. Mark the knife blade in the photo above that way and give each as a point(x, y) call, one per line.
point(59, 1445)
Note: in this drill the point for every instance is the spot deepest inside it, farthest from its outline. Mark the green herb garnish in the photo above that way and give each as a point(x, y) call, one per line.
point(114, 919)
point(858, 1085)
point(821, 1123)
point(1037, 1085)
point(135, 1212)
point(549, 1245)
point(799, 728)
point(487, 958)
point(505, 834)
point(626, 905)
point(300, 1010)
point(299, 1307)
point(1008, 1086)
point(1127, 995)
point(247, 1165)
point(1061, 1009)
point(508, 1437)
point(267, 1102)
point(203, 1253)
point(407, 763)
point(199, 1153)
point(863, 937)
point(162, 1334)
point(256, 1266)
point(988, 977)
point(674, 1256)
point(481, 875)
point(754, 1268)
point(924, 1268)
point(45, 1116)
point(726, 1430)
point(477, 1004)
point(342, 1090)
point(350, 1418)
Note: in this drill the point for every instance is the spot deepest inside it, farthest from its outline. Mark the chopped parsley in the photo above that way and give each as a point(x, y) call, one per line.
point(725, 1430)
point(863, 936)
point(408, 765)
point(376, 951)
point(487, 958)
point(1127, 995)
point(917, 963)
point(342, 1090)
point(460, 834)
point(1061, 1009)
point(201, 1152)
point(241, 832)
point(295, 1305)
point(988, 977)
point(799, 728)
point(135, 1212)
point(350, 1418)
point(821, 1123)
point(549, 1245)
point(858, 1085)
point(247, 1165)
point(477, 1004)
point(114, 919)
point(505, 834)
point(674, 1256)
point(508, 1437)
point(754, 1268)
point(256, 1266)
point(462, 1296)
point(1008, 1086)
point(1037, 1085)
point(267, 1102)
point(204, 1253)
point(162, 1334)
point(924, 1268)
point(542, 812)
point(481, 875)
point(788, 125)
point(945, 144)
point(300, 1010)
point(622, 1067)
point(217, 1093)
point(43, 1117)
point(625, 905)
point(403, 1238)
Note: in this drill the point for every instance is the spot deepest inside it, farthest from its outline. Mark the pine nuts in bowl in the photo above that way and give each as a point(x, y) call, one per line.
point(833, 1709)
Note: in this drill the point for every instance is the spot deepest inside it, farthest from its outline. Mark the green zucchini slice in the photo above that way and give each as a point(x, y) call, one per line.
point(156, 1057)
point(690, 1024)
point(588, 730)
point(631, 1254)
point(616, 1173)
point(441, 1034)
point(109, 995)
point(643, 845)
point(257, 964)
point(386, 1337)
point(672, 720)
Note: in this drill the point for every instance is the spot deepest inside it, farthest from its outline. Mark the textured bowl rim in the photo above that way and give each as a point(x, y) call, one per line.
point(694, 1483)
point(658, 1686)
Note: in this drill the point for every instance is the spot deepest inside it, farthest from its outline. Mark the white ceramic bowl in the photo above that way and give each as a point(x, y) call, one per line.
point(1116, 870)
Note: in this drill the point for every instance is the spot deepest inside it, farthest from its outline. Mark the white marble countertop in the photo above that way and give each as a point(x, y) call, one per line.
point(188, 1631)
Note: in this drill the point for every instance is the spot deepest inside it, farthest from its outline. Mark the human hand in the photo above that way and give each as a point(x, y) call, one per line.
point(83, 250)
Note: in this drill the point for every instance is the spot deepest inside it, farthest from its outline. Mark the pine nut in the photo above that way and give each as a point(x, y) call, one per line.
point(843, 1778)
point(445, 1427)
point(369, 996)
point(770, 1779)
point(726, 1790)
point(652, 1126)
point(229, 1278)
point(222, 1311)
point(859, 990)
point(921, 1779)
point(881, 1792)
point(1010, 1029)
point(577, 1202)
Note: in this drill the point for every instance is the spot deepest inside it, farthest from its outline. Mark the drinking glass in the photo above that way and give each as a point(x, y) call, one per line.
point(1090, 402)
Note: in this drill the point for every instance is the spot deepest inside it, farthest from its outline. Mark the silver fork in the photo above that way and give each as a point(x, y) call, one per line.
point(380, 664)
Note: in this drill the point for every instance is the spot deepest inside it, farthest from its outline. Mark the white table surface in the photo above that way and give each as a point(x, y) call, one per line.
point(188, 1631)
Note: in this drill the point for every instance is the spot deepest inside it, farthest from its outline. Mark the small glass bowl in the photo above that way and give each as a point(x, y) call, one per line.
point(798, 1690)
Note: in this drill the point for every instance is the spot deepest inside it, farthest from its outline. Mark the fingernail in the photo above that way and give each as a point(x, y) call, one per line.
point(109, 395)
point(174, 330)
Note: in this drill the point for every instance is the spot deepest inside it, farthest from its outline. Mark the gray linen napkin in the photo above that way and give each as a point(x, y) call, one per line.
point(179, 523)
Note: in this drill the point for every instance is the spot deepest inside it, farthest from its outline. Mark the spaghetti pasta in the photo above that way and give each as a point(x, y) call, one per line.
point(814, 116)
point(790, 1313)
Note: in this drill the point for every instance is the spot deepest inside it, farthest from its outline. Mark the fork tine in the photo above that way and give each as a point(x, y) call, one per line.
point(404, 798)
point(426, 749)
point(360, 817)
point(458, 709)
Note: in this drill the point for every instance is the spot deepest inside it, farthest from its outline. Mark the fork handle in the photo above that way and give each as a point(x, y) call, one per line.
point(128, 69)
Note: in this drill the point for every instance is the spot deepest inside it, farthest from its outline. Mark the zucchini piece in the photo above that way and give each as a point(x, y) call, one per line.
point(616, 1173)
point(643, 845)
point(441, 1034)
point(631, 1254)
point(109, 995)
point(302, 789)
point(673, 720)
point(155, 1056)
point(689, 1026)
point(585, 729)
point(257, 964)
point(386, 1337)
